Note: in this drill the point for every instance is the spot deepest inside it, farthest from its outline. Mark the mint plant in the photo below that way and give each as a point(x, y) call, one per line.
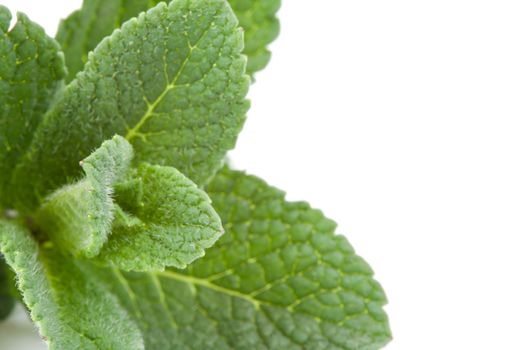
point(122, 228)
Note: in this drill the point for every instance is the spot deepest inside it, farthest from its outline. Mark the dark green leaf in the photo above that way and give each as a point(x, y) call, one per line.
point(31, 72)
point(7, 301)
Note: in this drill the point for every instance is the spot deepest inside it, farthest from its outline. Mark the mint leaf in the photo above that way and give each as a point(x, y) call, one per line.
point(167, 221)
point(78, 217)
point(278, 279)
point(261, 27)
point(31, 73)
point(160, 217)
point(110, 254)
point(85, 28)
point(172, 81)
point(71, 309)
point(7, 301)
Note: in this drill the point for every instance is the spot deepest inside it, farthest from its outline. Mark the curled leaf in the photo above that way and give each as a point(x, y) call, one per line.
point(165, 220)
point(78, 217)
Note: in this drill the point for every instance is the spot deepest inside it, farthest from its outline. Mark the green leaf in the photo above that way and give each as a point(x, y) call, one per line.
point(85, 28)
point(78, 217)
point(159, 217)
point(167, 221)
point(7, 301)
point(261, 27)
point(31, 73)
point(278, 279)
point(71, 309)
point(172, 81)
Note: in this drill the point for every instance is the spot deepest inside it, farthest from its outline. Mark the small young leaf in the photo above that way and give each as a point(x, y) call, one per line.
point(7, 301)
point(71, 309)
point(85, 28)
point(278, 279)
point(167, 221)
point(78, 217)
point(172, 81)
point(31, 72)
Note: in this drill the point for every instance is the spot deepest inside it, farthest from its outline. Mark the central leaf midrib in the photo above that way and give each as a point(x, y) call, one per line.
point(135, 131)
point(207, 284)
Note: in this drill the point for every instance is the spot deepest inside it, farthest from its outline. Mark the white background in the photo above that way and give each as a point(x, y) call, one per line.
point(404, 121)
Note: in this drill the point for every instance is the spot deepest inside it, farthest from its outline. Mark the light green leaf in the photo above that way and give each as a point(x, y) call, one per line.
point(171, 81)
point(278, 279)
point(31, 73)
point(78, 217)
point(159, 217)
point(261, 27)
point(71, 309)
point(7, 301)
point(85, 28)
point(167, 221)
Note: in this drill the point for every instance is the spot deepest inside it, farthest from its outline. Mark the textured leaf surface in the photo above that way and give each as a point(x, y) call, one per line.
point(278, 279)
point(7, 301)
point(166, 221)
point(85, 28)
point(71, 310)
point(78, 217)
point(171, 81)
point(31, 72)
